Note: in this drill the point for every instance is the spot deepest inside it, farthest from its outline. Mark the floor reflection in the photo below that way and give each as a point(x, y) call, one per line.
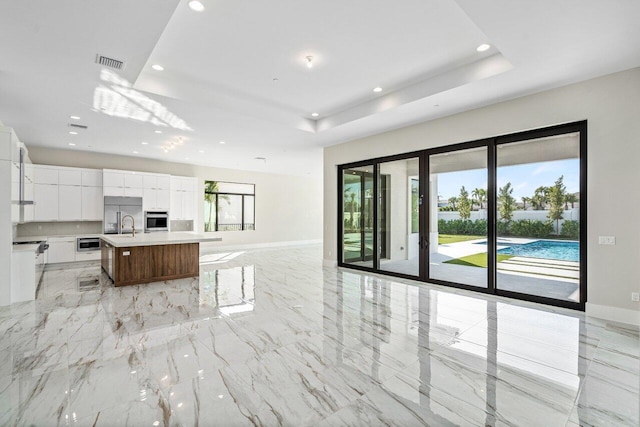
point(322, 347)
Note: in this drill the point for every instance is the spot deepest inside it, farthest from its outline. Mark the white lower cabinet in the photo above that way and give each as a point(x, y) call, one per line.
point(61, 249)
point(88, 256)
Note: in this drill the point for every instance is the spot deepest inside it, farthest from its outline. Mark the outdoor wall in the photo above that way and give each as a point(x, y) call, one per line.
point(288, 208)
point(611, 104)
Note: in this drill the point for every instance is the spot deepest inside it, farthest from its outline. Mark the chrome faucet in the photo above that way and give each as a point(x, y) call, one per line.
point(133, 224)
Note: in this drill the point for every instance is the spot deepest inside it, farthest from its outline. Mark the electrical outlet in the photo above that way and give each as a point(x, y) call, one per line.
point(635, 296)
point(606, 240)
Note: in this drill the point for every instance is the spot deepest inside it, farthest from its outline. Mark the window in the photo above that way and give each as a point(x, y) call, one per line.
point(228, 206)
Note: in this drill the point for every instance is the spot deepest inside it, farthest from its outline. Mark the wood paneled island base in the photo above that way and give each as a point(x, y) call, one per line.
point(132, 265)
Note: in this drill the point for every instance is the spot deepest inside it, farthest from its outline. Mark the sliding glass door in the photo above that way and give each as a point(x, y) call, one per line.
point(502, 215)
point(399, 216)
point(458, 217)
point(357, 216)
point(538, 217)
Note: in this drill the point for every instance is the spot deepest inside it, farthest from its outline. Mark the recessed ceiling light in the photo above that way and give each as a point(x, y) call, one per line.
point(72, 144)
point(145, 143)
point(377, 89)
point(157, 67)
point(483, 47)
point(135, 152)
point(315, 114)
point(201, 151)
point(196, 5)
point(309, 61)
point(74, 117)
point(72, 132)
point(222, 142)
point(157, 131)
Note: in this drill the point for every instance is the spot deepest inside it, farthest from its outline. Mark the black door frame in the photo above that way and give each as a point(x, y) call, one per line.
point(424, 197)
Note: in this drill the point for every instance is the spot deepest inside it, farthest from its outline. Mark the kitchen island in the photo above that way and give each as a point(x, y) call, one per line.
point(152, 257)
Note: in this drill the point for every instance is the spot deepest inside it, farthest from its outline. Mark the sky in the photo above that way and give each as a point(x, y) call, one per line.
point(524, 178)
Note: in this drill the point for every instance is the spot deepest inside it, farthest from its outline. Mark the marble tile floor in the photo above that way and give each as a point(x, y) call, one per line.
point(270, 337)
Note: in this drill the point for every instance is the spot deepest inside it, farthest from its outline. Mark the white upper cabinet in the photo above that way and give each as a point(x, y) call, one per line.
point(45, 175)
point(92, 204)
point(150, 182)
point(92, 178)
point(133, 180)
point(164, 182)
point(69, 203)
point(70, 177)
point(113, 179)
point(183, 198)
point(45, 197)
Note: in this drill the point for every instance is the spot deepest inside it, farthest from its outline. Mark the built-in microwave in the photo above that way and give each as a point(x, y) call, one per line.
point(88, 244)
point(156, 221)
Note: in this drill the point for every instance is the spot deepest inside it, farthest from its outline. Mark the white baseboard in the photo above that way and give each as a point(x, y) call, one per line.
point(216, 247)
point(615, 314)
point(329, 263)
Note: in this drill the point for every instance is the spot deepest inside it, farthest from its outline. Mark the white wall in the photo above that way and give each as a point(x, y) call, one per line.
point(611, 104)
point(288, 208)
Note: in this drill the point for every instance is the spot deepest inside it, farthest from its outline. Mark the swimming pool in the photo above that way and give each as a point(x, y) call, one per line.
point(547, 249)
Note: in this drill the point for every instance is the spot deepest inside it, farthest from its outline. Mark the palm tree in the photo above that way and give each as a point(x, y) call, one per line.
point(525, 200)
point(479, 195)
point(570, 198)
point(540, 198)
point(211, 195)
point(452, 201)
point(210, 188)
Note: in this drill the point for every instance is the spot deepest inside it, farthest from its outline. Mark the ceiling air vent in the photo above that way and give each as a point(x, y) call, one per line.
point(74, 125)
point(109, 62)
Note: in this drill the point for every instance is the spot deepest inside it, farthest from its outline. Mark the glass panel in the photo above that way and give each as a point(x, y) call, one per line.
point(209, 212)
point(538, 221)
point(357, 216)
point(458, 217)
point(249, 212)
point(398, 216)
point(230, 212)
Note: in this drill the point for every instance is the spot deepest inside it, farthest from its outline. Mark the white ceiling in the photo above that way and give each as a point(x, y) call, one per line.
point(220, 65)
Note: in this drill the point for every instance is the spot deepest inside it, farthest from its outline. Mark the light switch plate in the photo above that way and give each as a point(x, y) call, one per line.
point(606, 240)
point(635, 296)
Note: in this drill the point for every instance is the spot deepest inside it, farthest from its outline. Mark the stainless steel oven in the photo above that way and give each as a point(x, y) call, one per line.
point(156, 221)
point(87, 244)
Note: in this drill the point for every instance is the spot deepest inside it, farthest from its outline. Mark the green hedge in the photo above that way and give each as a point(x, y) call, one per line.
point(530, 228)
point(520, 228)
point(571, 229)
point(464, 227)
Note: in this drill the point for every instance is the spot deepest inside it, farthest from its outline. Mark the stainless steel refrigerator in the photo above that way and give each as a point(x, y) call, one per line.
point(115, 208)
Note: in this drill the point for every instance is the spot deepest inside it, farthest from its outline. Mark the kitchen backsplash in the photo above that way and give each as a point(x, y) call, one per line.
point(59, 228)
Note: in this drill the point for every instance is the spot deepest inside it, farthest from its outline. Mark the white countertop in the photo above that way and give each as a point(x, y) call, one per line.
point(158, 238)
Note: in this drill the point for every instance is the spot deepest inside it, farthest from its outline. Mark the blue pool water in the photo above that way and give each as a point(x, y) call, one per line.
point(548, 249)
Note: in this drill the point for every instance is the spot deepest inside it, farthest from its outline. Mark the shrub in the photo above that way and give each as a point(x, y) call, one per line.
point(531, 228)
point(571, 229)
point(465, 227)
point(503, 228)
